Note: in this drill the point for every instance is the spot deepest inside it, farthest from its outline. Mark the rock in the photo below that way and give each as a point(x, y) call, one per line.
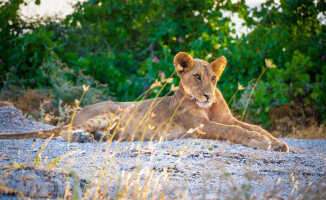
point(36, 183)
point(12, 121)
point(191, 167)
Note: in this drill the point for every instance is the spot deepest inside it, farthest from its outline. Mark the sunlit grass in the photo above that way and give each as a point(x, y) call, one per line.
point(142, 182)
point(310, 132)
point(137, 171)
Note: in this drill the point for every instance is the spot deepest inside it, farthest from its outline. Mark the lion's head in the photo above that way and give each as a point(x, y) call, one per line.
point(198, 77)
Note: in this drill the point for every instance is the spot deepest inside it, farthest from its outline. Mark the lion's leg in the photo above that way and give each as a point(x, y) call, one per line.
point(82, 132)
point(235, 134)
point(276, 145)
point(249, 138)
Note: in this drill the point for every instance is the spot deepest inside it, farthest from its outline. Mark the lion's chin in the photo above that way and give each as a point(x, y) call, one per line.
point(204, 105)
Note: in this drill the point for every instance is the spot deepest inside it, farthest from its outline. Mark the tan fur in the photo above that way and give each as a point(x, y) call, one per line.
point(197, 110)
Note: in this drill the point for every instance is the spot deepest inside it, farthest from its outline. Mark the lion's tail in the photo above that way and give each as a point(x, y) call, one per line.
point(37, 134)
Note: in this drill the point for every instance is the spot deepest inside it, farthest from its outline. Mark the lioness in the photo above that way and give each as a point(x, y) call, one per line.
point(197, 109)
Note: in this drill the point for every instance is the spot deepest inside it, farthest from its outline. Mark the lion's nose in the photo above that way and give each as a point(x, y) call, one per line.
point(207, 97)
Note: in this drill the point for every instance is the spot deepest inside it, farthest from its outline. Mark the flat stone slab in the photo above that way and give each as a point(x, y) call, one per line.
point(13, 122)
point(190, 168)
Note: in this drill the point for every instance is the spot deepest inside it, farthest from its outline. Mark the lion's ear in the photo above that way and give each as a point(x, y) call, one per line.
point(183, 62)
point(219, 66)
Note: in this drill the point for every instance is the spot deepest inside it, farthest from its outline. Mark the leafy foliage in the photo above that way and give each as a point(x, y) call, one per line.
point(291, 35)
point(67, 84)
point(126, 44)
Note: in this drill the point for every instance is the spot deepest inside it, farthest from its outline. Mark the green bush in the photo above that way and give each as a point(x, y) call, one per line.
point(292, 36)
point(283, 85)
point(68, 85)
point(126, 44)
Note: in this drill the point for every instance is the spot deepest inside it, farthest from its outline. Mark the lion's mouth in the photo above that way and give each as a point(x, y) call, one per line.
point(202, 104)
point(205, 104)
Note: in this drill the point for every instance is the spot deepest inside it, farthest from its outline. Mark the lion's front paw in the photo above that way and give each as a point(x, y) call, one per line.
point(259, 142)
point(77, 136)
point(278, 145)
point(81, 136)
point(100, 136)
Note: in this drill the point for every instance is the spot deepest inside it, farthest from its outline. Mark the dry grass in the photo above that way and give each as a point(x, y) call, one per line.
point(311, 132)
point(135, 181)
point(148, 183)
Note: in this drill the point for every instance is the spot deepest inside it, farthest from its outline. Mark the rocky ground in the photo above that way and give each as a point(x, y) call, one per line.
point(190, 168)
point(13, 122)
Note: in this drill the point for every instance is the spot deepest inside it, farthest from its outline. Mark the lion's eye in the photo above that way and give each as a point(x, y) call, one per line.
point(213, 78)
point(197, 76)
